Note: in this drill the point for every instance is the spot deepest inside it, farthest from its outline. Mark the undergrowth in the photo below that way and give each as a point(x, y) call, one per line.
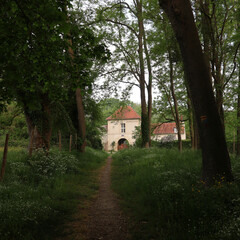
point(39, 193)
point(162, 192)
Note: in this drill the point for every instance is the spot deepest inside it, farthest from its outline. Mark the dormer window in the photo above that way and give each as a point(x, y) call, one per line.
point(123, 127)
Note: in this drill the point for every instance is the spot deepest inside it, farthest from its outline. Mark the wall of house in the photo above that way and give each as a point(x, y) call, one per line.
point(159, 137)
point(114, 132)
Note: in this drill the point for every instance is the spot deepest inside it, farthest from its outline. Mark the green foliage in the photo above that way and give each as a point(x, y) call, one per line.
point(162, 192)
point(36, 68)
point(172, 145)
point(12, 121)
point(41, 192)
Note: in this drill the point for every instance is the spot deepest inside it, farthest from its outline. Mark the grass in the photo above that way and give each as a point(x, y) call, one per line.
point(40, 193)
point(162, 192)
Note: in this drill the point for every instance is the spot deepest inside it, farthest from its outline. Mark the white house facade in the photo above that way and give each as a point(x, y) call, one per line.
point(120, 128)
point(122, 124)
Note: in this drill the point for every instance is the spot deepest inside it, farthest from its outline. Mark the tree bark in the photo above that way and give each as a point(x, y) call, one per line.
point(176, 115)
point(149, 87)
point(40, 129)
point(144, 115)
point(215, 156)
point(197, 144)
point(190, 120)
point(4, 161)
point(81, 120)
point(238, 111)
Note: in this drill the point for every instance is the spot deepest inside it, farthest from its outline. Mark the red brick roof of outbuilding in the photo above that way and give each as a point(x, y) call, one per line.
point(124, 113)
point(165, 128)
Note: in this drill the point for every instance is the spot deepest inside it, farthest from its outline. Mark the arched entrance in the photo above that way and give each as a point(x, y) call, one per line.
point(122, 143)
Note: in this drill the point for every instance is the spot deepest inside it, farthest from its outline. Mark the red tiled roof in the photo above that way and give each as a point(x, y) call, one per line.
point(124, 113)
point(166, 128)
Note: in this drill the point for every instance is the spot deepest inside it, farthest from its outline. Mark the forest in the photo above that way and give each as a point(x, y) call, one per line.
point(67, 65)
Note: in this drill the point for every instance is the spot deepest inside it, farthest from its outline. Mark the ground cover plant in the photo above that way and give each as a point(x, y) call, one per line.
point(162, 192)
point(39, 194)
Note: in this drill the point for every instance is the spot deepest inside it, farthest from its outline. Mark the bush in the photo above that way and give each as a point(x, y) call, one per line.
point(172, 144)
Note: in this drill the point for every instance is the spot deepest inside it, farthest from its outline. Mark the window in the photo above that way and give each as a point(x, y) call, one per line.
point(175, 130)
point(123, 127)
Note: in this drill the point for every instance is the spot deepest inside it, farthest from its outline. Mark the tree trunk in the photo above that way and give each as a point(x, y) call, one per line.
point(238, 111)
point(176, 115)
point(81, 120)
point(190, 120)
point(206, 30)
point(216, 52)
point(234, 143)
point(149, 87)
point(4, 161)
point(197, 144)
point(80, 107)
point(192, 124)
point(40, 129)
point(144, 115)
point(215, 157)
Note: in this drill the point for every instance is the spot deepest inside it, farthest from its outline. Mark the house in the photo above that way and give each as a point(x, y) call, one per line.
point(121, 126)
point(167, 132)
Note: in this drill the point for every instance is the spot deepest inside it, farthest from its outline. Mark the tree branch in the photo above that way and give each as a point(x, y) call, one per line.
point(122, 24)
point(234, 67)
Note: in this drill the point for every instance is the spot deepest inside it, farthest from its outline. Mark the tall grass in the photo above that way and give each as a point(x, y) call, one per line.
point(162, 192)
point(39, 193)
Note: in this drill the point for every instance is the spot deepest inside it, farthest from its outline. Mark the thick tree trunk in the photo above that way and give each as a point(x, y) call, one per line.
point(39, 130)
point(215, 157)
point(197, 144)
point(144, 115)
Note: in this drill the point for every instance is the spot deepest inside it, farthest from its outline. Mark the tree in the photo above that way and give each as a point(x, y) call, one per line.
point(238, 107)
point(168, 71)
point(84, 50)
point(216, 24)
point(32, 61)
point(215, 157)
point(131, 45)
point(35, 66)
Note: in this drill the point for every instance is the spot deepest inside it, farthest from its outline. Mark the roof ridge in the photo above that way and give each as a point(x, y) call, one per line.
point(124, 112)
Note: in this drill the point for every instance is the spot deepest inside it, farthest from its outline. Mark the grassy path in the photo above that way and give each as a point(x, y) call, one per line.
point(102, 219)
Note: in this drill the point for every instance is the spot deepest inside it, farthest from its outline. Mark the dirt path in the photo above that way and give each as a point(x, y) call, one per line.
point(103, 219)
